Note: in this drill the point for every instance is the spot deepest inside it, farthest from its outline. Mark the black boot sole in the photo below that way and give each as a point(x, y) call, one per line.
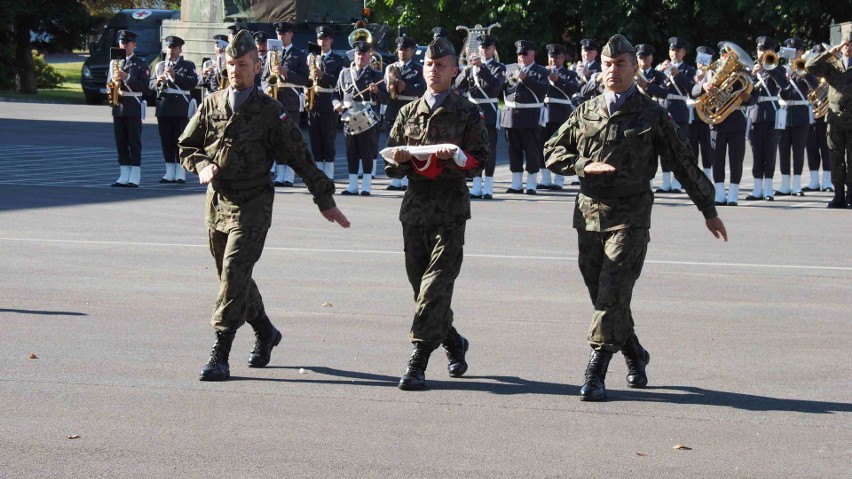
point(217, 377)
point(263, 364)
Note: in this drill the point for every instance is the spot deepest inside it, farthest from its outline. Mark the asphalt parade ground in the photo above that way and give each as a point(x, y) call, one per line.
point(107, 294)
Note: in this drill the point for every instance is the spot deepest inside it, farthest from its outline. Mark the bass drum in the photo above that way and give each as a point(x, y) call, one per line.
point(359, 118)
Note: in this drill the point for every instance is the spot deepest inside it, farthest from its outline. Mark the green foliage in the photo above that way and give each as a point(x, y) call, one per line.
point(701, 22)
point(46, 75)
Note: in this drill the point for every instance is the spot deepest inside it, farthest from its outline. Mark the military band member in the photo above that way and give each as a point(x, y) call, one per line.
point(612, 214)
point(818, 145)
point(132, 74)
point(235, 28)
point(436, 207)
point(680, 78)
point(173, 81)
point(482, 80)
point(408, 86)
point(838, 73)
point(260, 39)
point(292, 77)
point(799, 118)
point(213, 71)
point(524, 91)
point(726, 138)
point(764, 136)
point(650, 80)
point(563, 84)
point(588, 71)
point(588, 64)
point(699, 132)
point(322, 119)
point(240, 196)
point(360, 84)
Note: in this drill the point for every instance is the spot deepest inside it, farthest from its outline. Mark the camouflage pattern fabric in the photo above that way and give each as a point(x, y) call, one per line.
point(631, 140)
point(444, 199)
point(244, 145)
point(433, 259)
point(434, 211)
point(612, 213)
point(239, 300)
point(839, 116)
point(610, 263)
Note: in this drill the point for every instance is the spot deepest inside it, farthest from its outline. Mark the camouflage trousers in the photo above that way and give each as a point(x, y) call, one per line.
point(239, 300)
point(840, 150)
point(610, 263)
point(433, 259)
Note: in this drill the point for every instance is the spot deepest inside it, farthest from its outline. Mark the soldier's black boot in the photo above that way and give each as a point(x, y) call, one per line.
point(839, 200)
point(456, 346)
point(849, 196)
point(636, 358)
point(593, 389)
point(414, 378)
point(266, 338)
point(217, 368)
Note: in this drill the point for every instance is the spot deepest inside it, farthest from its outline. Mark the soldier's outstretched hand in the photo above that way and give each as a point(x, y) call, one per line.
point(334, 215)
point(716, 227)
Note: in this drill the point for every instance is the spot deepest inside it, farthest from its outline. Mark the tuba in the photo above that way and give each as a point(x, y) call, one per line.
point(360, 34)
point(714, 107)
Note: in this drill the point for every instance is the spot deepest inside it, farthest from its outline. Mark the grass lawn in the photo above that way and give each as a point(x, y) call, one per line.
point(69, 91)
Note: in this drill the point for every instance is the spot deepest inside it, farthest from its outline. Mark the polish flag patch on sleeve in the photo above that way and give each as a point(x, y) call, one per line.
point(283, 116)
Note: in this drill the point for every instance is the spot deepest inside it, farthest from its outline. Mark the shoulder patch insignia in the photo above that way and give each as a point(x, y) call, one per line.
point(283, 116)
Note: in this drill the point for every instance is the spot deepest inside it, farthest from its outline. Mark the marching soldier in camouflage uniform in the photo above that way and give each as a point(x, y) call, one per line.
point(838, 74)
point(482, 80)
point(436, 206)
point(230, 143)
point(612, 143)
point(173, 81)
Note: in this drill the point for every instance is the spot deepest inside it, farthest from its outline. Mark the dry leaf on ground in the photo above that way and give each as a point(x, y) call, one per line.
point(682, 447)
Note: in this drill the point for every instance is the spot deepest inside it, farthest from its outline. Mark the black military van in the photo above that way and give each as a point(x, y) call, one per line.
point(146, 24)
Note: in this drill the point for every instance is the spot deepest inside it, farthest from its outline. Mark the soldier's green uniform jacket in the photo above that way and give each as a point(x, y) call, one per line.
point(444, 199)
point(631, 140)
point(243, 146)
point(840, 82)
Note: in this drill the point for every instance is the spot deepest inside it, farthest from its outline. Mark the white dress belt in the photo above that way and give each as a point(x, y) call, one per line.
point(320, 89)
point(677, 97)
point(176, 91)
point(764, 99)
point(511, 104)
point(129, 93)
point(561, 101)
point(406, 98)
point(483, 101)
point(794, 102)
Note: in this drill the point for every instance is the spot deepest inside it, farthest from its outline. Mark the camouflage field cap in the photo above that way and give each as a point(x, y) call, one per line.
point(440, 47)
point(617, 45)
point(241, 44)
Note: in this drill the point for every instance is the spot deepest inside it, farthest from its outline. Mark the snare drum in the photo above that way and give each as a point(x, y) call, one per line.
point(359, 118)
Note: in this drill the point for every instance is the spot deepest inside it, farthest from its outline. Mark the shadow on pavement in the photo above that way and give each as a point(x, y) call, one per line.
point(706, 397)
point(43, 313)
